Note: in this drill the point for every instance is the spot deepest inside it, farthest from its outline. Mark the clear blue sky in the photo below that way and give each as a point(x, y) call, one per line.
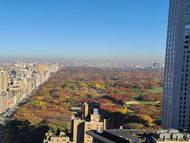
point(84, 28)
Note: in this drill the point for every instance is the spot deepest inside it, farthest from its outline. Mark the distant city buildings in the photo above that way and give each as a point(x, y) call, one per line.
point(156, 65)
point(18, 80)
point(176, 91)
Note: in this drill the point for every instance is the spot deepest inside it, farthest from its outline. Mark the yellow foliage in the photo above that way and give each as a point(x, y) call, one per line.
point(55, 101)
point(124, 111)
point(98, 86)
point(42, 103)
point(147, 118)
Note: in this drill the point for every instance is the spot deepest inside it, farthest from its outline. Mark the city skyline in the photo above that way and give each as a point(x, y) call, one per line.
point(120, 31)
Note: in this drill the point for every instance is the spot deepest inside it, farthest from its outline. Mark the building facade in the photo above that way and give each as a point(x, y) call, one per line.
point(176, 91)
point(88, 121)
point(3, 91)
point(19, 80)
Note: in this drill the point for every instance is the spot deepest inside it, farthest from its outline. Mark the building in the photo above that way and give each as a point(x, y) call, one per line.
point(156, 65)
point(88, 121)
point(119, 136)
point(168, 136)
point(3, 80)
point(176, 91)
point(77, 127)
point(16, 91)
point(108, 123)
point(3, 102)
point(84, 112)
point(19, 80)
point(3, 91)
point(59, 137)
point(40, 68)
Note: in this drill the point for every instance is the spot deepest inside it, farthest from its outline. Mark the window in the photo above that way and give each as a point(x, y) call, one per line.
point(185, 47)
point(187, 26)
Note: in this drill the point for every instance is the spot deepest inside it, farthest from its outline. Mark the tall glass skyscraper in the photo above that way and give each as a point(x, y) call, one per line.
point(176, 92)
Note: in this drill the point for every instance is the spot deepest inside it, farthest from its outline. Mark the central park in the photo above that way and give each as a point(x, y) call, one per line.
point(132, 97)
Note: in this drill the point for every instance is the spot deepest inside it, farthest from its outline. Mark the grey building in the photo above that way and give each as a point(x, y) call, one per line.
point(120, 136)
point(176, 92)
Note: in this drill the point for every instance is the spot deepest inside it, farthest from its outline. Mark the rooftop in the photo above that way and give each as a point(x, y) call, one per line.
point(121, 135)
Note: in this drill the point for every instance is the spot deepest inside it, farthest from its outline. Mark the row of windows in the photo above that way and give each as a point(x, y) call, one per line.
point(183, 112)
point(186, 51)
point(180, 116)
point(185, 70)
point(180, 107)
point(169, 62)
point(182, 125)
point(182, 98)
point(171, 38)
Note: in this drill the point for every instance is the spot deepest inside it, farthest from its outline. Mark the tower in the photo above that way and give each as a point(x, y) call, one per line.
point(176, 91)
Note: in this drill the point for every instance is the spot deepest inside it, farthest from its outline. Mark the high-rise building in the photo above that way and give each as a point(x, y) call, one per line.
point(176, 91)
point(3, 91)
point(3, 80)
point(81, 126)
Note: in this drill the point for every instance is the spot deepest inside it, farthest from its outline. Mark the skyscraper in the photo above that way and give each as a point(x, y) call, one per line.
point(176, 92)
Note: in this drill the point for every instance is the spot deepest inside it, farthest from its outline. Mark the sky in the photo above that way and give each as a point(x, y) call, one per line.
point(131, 30)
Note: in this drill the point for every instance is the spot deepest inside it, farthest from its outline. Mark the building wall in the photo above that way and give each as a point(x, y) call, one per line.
point(40, 68)
point(176, 91)
point(78, 130)
point(3, 80)
point(16, 91)
point(3, 102)
point(84, 111)
point(58, 140)
point(171, 141)
point(3, 91)
point(91, 126)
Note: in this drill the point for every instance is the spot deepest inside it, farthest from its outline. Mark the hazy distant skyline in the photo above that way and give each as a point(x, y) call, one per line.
point(101, 29)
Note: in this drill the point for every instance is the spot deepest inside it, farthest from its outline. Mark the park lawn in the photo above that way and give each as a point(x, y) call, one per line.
point(156, 90)
point(145, 102)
